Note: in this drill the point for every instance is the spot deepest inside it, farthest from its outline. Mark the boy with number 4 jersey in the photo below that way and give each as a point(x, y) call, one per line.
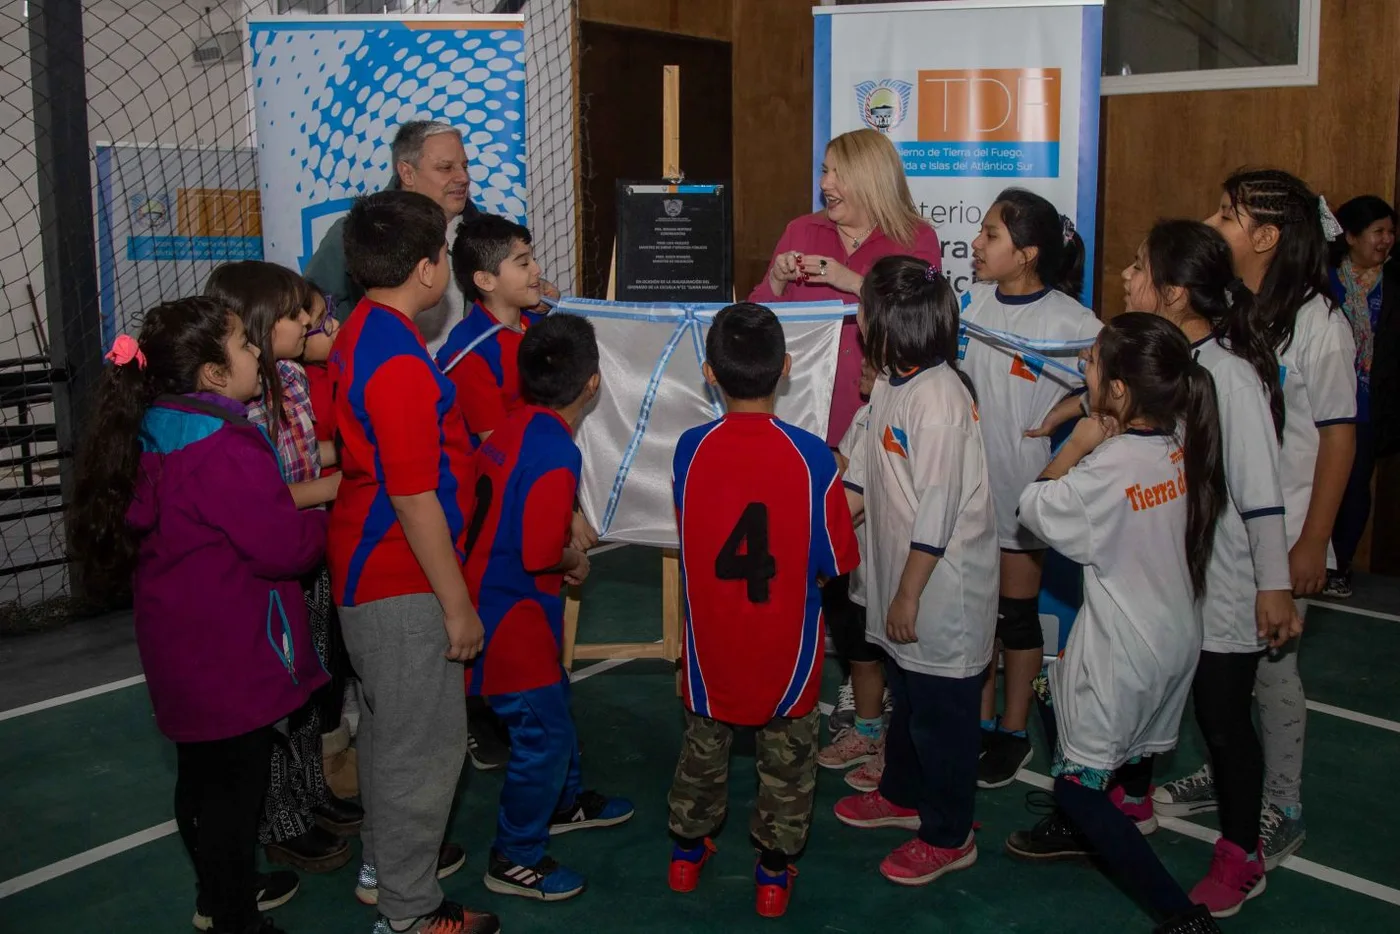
point(762, 520)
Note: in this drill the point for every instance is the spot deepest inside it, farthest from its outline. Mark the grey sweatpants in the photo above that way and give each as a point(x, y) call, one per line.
point(412, 742)
point(1283, 720)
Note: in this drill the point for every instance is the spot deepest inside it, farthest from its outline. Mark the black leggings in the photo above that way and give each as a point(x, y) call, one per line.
point(219, 789)
point(845, 620)
point(1222, 694)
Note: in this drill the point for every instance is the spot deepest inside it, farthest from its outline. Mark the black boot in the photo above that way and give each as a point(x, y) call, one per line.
point(1196, 921)
point(339, 816)
point(316, 851)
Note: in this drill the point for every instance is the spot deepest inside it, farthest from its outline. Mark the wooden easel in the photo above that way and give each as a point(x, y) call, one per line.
point(672, 607)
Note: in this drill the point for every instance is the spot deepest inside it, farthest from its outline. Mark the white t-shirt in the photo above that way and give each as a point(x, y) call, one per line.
point(1121, 685)
point(1319, 389)
point(923, 473)
point(1251, 543)
point(855, 435)
point(1015, 394)
point(437, 322)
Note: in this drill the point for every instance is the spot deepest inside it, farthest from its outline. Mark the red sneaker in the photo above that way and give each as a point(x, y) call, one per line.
point(1232, 880)
point(1141, 813)
point(872, 809)
point(774, 890)
point(686, 865)
point(919, 863)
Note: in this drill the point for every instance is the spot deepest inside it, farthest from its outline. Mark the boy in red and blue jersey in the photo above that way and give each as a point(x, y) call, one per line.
point(395, 549)
point(519, 557)
point(496, 269)
point(763, 522)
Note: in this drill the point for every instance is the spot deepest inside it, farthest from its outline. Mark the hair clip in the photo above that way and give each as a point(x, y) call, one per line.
point(1331, 229)
point(1066, 228)
point(930, 273)
point(124, 350)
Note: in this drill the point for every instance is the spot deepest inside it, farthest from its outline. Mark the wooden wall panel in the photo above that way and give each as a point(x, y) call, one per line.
point(772, 52)
point(1166, 154)
point(703, 19)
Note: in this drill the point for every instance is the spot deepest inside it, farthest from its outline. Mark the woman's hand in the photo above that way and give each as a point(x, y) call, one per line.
point(1067, 408)
point(787, 267)
point(1090, 432)
point(828, 271)
point(1276, 616)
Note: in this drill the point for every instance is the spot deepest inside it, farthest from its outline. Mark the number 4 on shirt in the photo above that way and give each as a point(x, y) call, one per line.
point(745, 556)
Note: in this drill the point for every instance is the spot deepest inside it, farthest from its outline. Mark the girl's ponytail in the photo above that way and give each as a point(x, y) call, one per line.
point(1070, 278)
point(177, 340)
point(1205, 471)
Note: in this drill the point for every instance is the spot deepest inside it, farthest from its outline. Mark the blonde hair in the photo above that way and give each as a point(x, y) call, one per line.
point(872, 172)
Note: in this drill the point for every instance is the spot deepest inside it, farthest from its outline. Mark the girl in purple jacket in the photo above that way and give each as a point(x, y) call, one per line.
point(180, 498)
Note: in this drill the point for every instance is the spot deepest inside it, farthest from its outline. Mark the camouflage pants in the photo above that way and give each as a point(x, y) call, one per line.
point(786, 755)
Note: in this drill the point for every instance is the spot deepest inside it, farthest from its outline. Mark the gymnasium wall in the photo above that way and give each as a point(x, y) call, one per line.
point(1166, 154)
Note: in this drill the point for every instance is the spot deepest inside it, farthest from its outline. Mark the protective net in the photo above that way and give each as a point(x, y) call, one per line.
point(98, 223)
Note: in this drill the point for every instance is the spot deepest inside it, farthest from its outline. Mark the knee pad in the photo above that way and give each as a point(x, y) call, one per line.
point(1018, 624)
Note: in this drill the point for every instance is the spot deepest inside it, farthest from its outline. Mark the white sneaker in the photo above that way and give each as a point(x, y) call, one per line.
point(1194, 794)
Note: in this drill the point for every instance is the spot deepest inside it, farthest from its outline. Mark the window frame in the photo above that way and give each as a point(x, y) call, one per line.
point(1302, 74)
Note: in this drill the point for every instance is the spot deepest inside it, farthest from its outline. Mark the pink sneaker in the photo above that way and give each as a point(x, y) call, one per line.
point(1233, 879)
point(1141, 813)
point(848, 749)
point(872, 810)
point(918, 863)
point(867, 776)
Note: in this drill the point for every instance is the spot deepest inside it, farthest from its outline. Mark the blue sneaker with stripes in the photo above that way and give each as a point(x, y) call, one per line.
point(591, 809)
point(546, 881)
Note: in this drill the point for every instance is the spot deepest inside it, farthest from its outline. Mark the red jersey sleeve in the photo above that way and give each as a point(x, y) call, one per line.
point(549, 508)
point(478, 395)
point(401, 400)
point(840, 529)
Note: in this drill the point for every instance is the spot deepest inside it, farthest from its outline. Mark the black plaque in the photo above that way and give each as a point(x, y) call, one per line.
point(674, 242)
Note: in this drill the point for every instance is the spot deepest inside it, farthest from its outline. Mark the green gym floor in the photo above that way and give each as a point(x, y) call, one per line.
point(88, 843)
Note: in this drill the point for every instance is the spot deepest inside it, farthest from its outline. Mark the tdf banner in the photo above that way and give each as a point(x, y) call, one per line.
point(977, 95)
point(329, 93)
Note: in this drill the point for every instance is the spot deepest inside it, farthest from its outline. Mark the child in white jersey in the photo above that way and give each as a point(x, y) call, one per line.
point(1275, 227)
point(920, 476)
point(1030, 267)
point(1133, 495)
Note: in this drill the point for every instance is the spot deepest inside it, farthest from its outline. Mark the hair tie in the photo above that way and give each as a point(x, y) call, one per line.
point(1067, 228)
point(1230, 287)
point(930, 273)
point(124, 350)
point(1330, 228)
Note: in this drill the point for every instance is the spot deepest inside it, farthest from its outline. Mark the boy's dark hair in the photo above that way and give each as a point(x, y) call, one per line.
point(557, 358)
point(745, 348)
point(911, 318)
point(262, 294)
point(483, 243)
point(1195, 257)
point(1170, 390)
point(1034, 222)
point(388, 233)
point(178, 338)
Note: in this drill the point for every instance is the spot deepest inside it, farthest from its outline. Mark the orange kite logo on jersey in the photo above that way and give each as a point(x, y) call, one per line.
point(1026, 369)
point(896, 441)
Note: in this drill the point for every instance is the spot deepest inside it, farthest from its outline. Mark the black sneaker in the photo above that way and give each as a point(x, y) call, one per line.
point(1196, 921)
point(1338, 585)
point(275, 889)
point(488, 743)
point(1052, 838)
point(546, 880)
point(1004, 754)
point(449, 918)
point(591, 809)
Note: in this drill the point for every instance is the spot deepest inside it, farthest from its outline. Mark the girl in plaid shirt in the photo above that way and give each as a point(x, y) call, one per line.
point(303, 822)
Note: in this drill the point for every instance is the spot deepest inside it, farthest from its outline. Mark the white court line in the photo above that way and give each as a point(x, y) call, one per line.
point(70, 698)
point(1345, 714)
point(139, 679)
point(1295, 863)
point(1353, 610)
point(86, 858)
